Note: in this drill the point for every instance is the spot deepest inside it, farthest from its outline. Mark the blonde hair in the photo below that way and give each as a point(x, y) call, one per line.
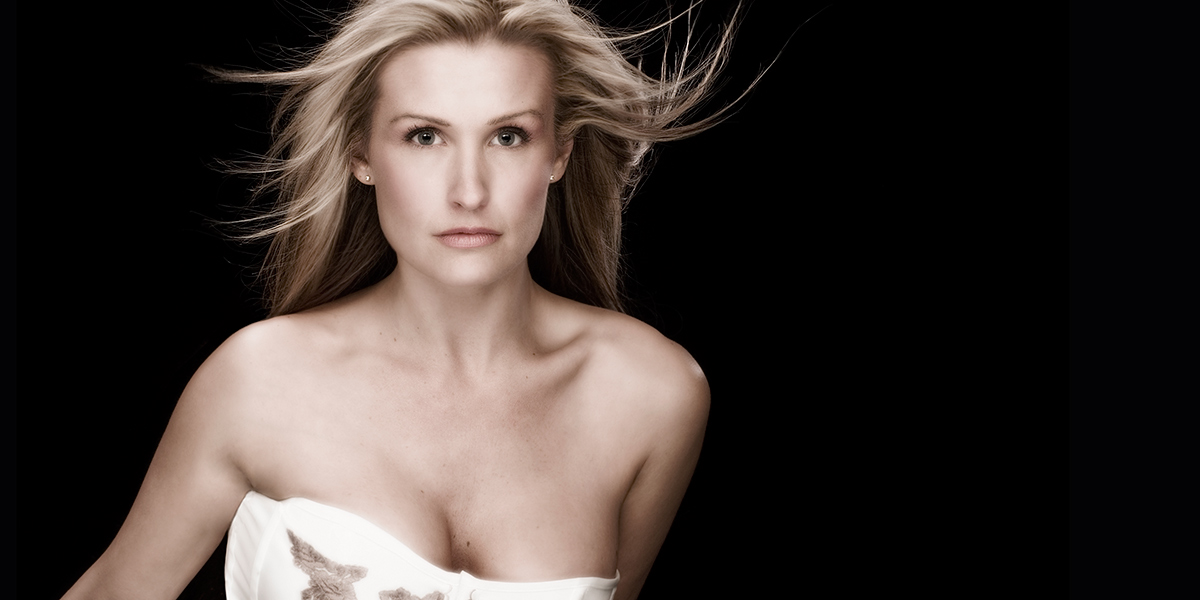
point(326, 241)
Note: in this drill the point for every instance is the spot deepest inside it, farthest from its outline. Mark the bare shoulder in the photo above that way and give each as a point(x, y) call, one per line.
point(259, 389)
point(266, 343)
point(262, 360)
point(646, 359)
point(235, 385)
point(644, 377)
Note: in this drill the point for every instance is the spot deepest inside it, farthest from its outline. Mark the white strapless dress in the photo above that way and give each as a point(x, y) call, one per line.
point(297, 549)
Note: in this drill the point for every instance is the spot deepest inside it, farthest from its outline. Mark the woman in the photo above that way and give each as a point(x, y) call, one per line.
point(445, 403)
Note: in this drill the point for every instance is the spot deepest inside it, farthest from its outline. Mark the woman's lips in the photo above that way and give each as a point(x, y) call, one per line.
point(468, 237)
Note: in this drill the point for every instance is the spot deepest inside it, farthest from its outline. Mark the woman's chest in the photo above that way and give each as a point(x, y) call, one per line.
point(503, 486)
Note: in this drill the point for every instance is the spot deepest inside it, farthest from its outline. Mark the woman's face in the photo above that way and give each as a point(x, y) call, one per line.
point(461, 152)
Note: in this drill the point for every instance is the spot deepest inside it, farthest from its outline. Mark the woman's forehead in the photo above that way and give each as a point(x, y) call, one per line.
point(465, 81)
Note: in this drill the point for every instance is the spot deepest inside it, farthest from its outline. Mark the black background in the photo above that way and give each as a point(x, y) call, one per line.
point(817, 253)
point(1134, 295)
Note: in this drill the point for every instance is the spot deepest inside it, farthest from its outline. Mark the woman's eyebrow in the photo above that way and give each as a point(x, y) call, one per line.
point(419, 118)
point(537, 113)
point(532, 111)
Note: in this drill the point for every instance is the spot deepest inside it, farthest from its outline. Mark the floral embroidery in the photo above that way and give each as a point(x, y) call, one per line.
point(403, 594)
point(327, 579)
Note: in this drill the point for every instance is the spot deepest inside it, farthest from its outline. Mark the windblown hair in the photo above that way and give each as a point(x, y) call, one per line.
point(326, 241)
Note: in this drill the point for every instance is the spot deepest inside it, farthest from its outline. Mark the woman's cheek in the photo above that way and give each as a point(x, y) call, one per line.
point(410, 182)
point(534, 195)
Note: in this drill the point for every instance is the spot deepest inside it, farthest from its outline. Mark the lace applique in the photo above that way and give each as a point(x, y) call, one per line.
point(403, 594)
point(327, 579)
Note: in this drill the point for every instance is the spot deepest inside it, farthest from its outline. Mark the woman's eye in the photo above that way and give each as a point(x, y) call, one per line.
point(424, 137)
point(509, 137)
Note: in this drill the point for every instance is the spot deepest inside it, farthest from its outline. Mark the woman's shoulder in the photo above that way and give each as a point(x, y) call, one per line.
point(637, 368)
point(263, 360)
point(279, 335)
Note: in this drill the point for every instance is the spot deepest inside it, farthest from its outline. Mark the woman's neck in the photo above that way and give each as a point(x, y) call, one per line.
point(468, 327)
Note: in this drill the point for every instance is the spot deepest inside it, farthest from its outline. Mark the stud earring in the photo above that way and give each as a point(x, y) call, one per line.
point(551, 178)
point(366, 177)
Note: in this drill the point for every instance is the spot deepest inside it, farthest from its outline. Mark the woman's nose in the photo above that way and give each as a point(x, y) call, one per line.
point(468, 188)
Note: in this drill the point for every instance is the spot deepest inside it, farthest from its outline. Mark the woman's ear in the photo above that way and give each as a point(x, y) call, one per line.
point(361, 170)
point(560, 162)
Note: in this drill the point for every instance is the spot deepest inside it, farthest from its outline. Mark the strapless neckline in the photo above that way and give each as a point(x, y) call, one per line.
point(254, 502)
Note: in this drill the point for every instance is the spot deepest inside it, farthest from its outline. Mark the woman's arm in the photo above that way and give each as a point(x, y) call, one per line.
point(188, 498)
point(673, 423)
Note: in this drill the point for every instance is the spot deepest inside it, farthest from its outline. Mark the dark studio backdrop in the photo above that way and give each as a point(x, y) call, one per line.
point(1134, 298)
point(761, 246)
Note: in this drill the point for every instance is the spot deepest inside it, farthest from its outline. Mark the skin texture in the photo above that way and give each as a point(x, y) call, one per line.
point(489, 425)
